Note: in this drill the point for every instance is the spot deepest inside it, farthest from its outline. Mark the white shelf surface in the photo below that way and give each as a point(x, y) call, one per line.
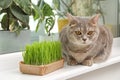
point(9, 67)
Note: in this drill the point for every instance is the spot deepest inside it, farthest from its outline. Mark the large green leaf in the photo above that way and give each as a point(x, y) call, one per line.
point(56, 4)
point(19, 14)
point(50, 21)
point(25, 5)
point(36, 12)
point(4, 21)
point(47, 10)
point(5, 3)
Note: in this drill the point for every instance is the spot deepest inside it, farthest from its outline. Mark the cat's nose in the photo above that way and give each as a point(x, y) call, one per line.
point(84, 39)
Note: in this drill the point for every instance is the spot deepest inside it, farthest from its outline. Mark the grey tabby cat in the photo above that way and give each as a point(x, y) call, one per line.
point(84, 41)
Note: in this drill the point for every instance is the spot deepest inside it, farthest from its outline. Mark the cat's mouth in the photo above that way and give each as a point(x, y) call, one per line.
point(84, 42)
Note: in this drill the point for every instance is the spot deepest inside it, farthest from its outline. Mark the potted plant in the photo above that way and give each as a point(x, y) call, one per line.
point(15, 22)
point(15, 33)
point(78, 8)
point(44, 14)
point(15, 15)
point(41, 58)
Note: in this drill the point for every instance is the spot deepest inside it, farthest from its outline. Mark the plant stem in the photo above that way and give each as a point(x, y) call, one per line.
point(68, 7)
point(8, 19)
point(100, 11)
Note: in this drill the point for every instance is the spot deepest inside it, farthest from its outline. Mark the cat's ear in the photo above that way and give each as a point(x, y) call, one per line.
point(94, 19)
point(70, 17)
point(72, 20)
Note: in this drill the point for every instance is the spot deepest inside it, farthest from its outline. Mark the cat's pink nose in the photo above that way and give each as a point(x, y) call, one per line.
point(84, 39)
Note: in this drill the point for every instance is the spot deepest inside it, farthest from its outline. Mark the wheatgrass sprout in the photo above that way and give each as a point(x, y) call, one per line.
point(40, 53)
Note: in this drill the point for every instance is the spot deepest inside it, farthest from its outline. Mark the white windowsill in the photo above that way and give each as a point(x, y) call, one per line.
point(10, 69)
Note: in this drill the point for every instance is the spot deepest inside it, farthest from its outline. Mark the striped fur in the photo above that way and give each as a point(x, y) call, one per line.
point(96, 47)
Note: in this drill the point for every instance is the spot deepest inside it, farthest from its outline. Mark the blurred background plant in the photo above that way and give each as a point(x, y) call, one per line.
point(78, 7)
point(15, 15)
point(44, 13)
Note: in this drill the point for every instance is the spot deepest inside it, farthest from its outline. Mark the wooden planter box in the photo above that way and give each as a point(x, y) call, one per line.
point(42, 69)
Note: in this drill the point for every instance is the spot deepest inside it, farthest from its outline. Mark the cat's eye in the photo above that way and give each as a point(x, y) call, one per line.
point(90, 33)
point(78, 32)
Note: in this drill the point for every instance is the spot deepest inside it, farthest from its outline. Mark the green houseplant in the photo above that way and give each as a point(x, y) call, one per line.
point(44, 13)
point(15, 22)
point(41, 58)
point(16, 14)
point(46, 20)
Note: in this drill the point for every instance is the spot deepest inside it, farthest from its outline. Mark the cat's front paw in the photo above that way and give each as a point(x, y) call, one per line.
point(87, 62)
point(99, 59)
point(72, 62)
